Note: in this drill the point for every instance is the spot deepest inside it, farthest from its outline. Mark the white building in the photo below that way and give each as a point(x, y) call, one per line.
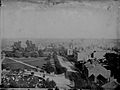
point(69, 51)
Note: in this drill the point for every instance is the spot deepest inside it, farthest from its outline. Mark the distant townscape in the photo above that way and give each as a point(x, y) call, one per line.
point(66, 64)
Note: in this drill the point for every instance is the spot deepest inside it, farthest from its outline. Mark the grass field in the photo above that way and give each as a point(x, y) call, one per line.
point(32, 61)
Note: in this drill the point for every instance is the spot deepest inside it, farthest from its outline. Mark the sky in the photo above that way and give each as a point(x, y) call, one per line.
point(71, 22)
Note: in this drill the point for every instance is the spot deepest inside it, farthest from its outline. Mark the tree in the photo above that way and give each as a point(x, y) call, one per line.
point(40, 52)
point(31, 49)
point(18, 54)
point(52, 84)
point(113, 62)
point(49, 84)
point(48, 67)
point(17, 49)
point(34, 54)
point(26, 54)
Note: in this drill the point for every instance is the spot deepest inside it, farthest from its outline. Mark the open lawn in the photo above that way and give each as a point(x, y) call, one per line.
point(32, 61)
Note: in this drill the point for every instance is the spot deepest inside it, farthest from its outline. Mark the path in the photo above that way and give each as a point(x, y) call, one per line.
point(64, 63)
point(23, 63)
point(60, 80)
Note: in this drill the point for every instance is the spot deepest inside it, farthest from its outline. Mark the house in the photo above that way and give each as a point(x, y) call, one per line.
point(97, 70)
point(82, 56)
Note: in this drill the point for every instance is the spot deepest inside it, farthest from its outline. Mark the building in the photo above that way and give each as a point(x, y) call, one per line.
point(96, 70)
point(69, 51)
point(82, 56)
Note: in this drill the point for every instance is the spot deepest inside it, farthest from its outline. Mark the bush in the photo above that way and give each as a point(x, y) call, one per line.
point(52, 84)
point(48, 67)
point(26, 54)
point(34, 54)
point(18, 54)
point(9, 54)
point(40, 52)
point(49, 84)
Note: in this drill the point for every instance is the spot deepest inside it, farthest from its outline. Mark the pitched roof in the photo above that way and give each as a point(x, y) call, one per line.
point(97, 70)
